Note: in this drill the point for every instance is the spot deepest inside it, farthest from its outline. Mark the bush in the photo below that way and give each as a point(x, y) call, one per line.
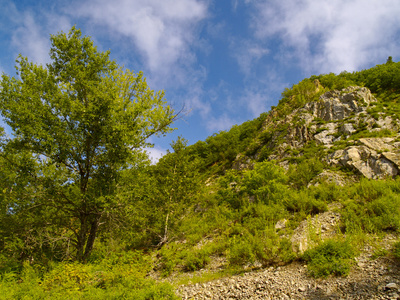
point(196, 260)
point(332, 257)
point(263, 246)
point(375, 207)
point(169, 258)
point(396, 250)
point(301, 175)
point(302, 201)
point(119, 276)
point(267, 182)
point(241, 251)
point(327, 192)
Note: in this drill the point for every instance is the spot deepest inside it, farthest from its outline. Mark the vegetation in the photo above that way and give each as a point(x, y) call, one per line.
point(77, 123)
point(330, 257)
point(84, 215)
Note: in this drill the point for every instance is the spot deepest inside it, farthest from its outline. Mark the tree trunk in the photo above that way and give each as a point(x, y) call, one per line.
point(81, 237)
point(86, 237)
point(91, 238)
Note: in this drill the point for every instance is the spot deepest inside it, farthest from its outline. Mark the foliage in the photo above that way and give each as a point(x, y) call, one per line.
point(298, 95)
point(266, 182)
point(332, 81)
point(331, 257)
point(374, 206)
point(260, 247)
point(304, 202)
point(220, 149)
point(83, 119)
point(300, 175)
point(396, 250)
point(164, 194)
point(196, 260)
point(119, 276)
point(74, 167)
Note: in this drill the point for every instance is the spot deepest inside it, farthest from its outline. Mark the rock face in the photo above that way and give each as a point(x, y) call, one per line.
point(338, 121)
point(338, 105)
point(373, 157)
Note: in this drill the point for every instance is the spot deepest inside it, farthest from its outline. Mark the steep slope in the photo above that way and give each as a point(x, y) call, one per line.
point(310, 186)
point(345, 132)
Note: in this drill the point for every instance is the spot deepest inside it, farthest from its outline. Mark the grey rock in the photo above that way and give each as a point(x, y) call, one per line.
point(391, 286)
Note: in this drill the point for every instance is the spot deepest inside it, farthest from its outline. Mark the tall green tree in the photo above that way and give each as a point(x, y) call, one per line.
point(178, 182)
point(165, 197)
point(86, 119)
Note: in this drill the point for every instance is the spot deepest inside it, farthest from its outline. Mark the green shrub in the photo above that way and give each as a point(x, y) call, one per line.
point(262, 246)
point(267, 182)
point(120, 276)
point(396, 249)
point(257, 216)
point(302, 201)
point(196, 260)
point(332, 257)
point(374, 206)
point(169, 258)
point(265, 152)
point(300, 175)
point(241, 251)
point(327, 192)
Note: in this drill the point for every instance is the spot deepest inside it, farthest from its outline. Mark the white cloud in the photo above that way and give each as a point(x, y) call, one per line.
point(256, 96)
point(256, 102)
point(155, 154)
point(161, 30)
point(331, 35)
point(29, 40)
point(223, 122)
point(247, 54)
point(29, 32)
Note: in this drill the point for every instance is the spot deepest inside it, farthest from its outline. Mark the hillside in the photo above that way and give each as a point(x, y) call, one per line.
point(329, 144)
point(310, 187)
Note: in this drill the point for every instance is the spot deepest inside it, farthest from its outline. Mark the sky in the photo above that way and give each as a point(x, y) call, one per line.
point(223, 61)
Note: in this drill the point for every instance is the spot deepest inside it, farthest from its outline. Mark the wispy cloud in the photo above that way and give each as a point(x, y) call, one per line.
point(222, 122)
point(329, 35)
point(162, 31)
point(164, 36)
point(247, 54)
point(28, 32)
point(28, 38)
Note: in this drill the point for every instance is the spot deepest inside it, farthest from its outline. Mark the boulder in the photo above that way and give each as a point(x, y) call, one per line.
point(368, 159)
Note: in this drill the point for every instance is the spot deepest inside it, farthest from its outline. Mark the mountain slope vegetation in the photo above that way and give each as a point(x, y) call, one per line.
point(229, 204)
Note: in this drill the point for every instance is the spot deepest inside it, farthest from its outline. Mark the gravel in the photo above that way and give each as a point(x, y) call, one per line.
point(369, 279)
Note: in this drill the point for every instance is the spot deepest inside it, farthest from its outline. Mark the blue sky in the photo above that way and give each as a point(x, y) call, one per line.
point(226, 61)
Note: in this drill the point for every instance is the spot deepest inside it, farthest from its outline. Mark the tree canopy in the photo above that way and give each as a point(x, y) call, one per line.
point(80, 120)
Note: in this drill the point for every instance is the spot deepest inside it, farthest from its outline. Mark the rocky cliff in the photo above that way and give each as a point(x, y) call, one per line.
point(351, 135)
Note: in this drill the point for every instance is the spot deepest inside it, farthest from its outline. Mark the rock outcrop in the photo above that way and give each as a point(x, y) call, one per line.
point(352, 137)
point(338, 105)
point(373, 157)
